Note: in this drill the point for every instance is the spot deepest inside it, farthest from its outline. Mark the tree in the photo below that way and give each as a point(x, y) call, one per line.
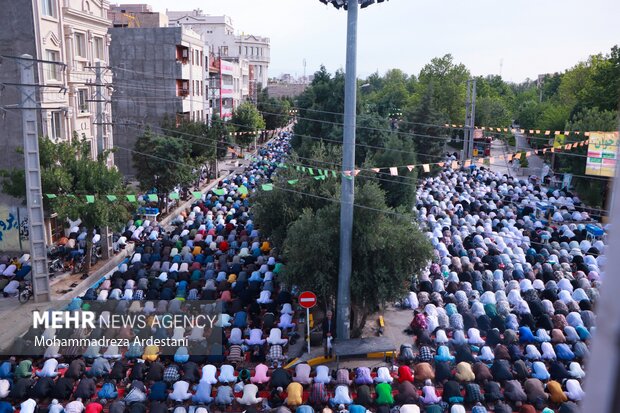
point(67, 171)
point(162, 163)
point(494, 99)
point(247, 120)
point(449, 82)
point(202, 149)
point(321, 108)
point(220, 132)
point(388, 250)
point(384, 95)
point(423, 121)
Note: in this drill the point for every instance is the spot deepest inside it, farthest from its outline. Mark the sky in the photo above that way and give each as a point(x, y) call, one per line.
point(523, 37)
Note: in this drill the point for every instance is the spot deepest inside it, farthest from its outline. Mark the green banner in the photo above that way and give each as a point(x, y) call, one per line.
point(111, 198)
point(132, 198)
point(267, 187)
point(153, 197)
point(293, 181)
point(174, 195)
point(242, 190)
point(197, 194)
point(90, 199)
point(50, 196)
point(219, 192)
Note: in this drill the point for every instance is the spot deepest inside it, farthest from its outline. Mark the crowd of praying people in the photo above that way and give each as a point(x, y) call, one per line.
point(12, 272)
point(502, 317)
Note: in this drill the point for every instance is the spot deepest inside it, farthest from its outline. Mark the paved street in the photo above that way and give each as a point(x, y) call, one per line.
point(353, 209)
point(535, 162)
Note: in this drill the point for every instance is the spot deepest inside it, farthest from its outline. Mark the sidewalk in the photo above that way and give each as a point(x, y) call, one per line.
point(500, 165)
point(16, 318)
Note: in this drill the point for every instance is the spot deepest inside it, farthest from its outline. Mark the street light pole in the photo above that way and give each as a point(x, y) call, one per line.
point(343, 302)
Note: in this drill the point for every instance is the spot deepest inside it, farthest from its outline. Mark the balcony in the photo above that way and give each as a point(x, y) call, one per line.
point(183, 54)
point(182, 87)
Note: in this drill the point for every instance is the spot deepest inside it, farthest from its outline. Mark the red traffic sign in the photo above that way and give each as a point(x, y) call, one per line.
point(307, 299)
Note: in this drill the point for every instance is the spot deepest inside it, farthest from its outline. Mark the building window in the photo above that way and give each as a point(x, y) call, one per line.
point(52, 71)
point(83, 100)
point(56, 125)
point(48, 8)
point(99, 48)
point(80, 44)
point(224, 50)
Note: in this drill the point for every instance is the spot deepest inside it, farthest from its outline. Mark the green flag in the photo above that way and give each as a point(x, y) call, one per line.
point(243, 189)
point(334, 174)
point(267, 187)
point(153, 197)
point(50, 196)
point(90, 199)
point(174, 195)
point(293, 181)
point(111, 198)
point(197, 194)
point(131, 198)
point(219, 192)
point(71, 196)
point(311, 171)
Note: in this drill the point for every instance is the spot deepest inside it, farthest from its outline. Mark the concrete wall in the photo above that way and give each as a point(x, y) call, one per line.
point(145, 85)
point(14, 229)
point(278, 90)
point(16, 38)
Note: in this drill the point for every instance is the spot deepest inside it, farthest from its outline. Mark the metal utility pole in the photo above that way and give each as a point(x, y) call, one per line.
point(467, 117)
point(34, 196)
point(99, 116)
point(343, 302)
point(470, 115)
point(472, 120)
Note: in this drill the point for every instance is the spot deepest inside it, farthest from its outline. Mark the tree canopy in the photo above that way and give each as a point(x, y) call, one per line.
point(67, 170)
point(304, 223)
point(247, 120)
point(162, 163)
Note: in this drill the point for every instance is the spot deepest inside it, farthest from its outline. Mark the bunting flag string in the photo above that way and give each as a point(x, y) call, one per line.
point(254, 132)
point(90, 199)
point(321, 174)
point(493, 129)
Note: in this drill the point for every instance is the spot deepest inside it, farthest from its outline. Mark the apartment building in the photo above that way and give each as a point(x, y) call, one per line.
point(219, 33)
point(158, 72)
point(70, 32)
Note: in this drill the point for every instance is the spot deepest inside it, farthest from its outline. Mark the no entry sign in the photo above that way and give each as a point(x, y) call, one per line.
point(307, 299)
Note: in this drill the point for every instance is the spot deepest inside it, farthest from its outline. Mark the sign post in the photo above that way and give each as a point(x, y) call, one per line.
point(307, 300)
